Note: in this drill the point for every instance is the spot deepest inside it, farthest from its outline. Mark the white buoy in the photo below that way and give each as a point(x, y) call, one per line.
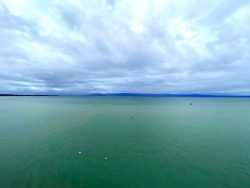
point(106, 158)
point(79, 152)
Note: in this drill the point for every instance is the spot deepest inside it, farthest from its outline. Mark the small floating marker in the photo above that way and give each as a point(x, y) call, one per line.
point(191, 104)
point(131, 117)
point(79, 152)
point(105, 158)
point(130, 134)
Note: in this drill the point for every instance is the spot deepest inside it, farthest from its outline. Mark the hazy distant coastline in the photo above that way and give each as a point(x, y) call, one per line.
point(136, 95)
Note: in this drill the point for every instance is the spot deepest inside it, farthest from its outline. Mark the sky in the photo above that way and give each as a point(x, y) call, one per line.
point(114, 46)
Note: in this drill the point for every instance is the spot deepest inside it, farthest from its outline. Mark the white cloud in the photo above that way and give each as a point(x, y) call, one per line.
point(124, 46)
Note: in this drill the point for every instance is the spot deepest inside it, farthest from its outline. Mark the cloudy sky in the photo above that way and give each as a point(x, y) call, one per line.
point(107, 46)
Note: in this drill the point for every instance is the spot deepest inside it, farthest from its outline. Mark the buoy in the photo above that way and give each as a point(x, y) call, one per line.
point(106, 158)
point(79, 152)
point(131, 117)
point(130, 134)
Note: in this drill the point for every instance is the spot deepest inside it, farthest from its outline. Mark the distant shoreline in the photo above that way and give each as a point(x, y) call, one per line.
point(16, 95)
point(131, 95)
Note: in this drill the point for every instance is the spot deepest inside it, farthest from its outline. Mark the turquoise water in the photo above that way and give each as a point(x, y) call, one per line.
point(124, 142)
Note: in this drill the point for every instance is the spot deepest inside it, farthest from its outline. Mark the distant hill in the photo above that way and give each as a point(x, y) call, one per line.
point(23, 95)
point(164, 95)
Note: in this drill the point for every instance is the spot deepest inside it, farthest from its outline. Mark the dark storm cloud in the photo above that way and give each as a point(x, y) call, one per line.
point(75, 47)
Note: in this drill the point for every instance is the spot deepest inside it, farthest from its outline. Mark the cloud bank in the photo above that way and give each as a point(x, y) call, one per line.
point(107, 46)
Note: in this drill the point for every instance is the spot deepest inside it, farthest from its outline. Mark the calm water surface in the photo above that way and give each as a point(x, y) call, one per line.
point(130, 142)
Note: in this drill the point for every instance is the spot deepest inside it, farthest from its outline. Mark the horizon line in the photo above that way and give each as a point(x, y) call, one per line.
point(136, 95)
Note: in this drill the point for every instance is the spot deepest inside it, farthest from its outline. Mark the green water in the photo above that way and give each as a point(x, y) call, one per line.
point(167, 142)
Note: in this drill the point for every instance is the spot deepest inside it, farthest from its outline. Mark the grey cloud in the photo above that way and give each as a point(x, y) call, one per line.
point(16, 23)
point(111, 2)
point(71, 15)
point(80, 47)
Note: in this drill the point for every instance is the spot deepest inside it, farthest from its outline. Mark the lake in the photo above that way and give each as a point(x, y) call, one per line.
point(124, 142)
